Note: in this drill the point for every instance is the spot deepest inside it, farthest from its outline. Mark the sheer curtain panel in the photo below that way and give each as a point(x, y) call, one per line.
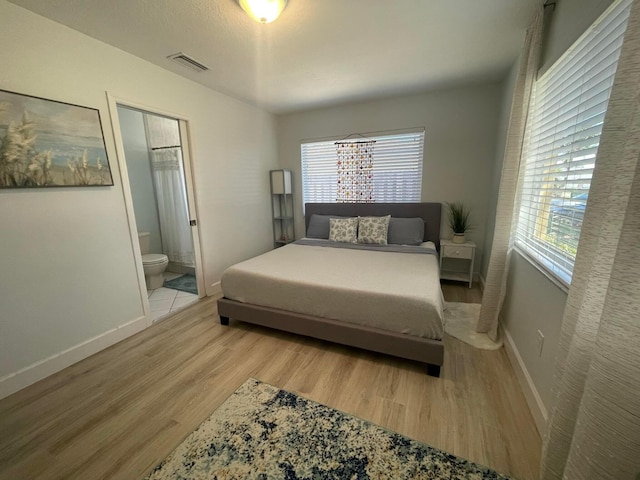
point(496, 281)
point(594, 425)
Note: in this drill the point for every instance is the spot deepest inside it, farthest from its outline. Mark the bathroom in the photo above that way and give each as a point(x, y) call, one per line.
point(156, 175)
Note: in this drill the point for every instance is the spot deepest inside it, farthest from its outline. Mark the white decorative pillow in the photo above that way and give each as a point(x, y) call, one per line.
point(373, 229)
point(343, 230)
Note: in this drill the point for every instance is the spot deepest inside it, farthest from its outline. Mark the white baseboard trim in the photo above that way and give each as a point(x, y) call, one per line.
point(29, 375)
point(538, 410)
point(215, 290)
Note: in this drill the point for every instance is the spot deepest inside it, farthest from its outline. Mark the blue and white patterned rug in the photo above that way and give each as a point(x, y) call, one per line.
point(262, 432)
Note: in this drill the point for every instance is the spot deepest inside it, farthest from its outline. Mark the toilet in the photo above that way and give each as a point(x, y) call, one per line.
point(154, 264)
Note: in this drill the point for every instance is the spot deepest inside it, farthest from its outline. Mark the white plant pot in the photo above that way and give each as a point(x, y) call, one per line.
point(458, 238)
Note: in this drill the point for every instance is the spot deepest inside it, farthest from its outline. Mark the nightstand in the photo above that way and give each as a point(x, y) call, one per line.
point(464, 251)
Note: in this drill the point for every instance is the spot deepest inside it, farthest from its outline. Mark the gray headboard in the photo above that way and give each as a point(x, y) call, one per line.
point(430, 212)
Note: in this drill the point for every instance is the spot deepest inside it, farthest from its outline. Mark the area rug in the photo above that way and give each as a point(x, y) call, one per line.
point(460, 322)
point(185, 283)
point(262, 432)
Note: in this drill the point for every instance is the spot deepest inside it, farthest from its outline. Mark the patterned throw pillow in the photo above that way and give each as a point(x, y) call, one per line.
point(373, 229)
point(343, 230)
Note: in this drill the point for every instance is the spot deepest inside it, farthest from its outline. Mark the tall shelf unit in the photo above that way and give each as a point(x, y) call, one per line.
point(282, 207)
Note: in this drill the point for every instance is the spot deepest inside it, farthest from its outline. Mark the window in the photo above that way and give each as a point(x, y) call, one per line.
point(397, 169)
point(562, 139)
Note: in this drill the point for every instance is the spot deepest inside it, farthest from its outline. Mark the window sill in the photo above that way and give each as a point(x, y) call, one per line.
point(558, 282)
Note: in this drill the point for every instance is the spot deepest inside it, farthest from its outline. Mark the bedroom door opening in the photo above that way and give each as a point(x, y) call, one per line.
point(156, 175)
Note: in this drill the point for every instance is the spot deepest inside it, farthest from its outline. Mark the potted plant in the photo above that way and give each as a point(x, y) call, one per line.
point(458, 220)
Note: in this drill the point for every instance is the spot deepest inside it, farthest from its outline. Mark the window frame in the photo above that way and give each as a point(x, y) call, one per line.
point(382, 138)
point(559, 152)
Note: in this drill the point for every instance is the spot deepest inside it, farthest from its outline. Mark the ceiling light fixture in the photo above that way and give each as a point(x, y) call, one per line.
point(263, 11)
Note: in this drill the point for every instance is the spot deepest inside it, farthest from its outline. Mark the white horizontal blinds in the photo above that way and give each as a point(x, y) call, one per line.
point(397, 169)
point(563, 135)
point(319, 172)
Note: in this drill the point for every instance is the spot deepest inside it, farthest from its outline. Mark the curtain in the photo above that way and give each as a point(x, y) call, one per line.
point(355, 171)
point(507, 206)
point(171, 198)
point(594, 424)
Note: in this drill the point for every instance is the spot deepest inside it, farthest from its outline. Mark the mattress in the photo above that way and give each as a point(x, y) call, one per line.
point(378, 287)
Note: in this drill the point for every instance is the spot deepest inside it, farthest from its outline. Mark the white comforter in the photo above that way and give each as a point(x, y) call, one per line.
point(386, 290)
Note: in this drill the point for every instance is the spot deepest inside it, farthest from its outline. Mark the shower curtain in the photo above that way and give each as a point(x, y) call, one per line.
point(171, 198)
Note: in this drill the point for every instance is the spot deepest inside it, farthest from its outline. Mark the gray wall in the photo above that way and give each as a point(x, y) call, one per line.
point(566, 24)
point(459, 152)
point(535, 302)
point(136, 153)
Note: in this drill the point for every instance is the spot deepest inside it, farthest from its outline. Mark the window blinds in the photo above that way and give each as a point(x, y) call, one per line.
point(397, 169)
point(562, 139)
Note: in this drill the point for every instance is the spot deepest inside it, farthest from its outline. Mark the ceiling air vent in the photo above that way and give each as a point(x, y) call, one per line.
point(187, 61)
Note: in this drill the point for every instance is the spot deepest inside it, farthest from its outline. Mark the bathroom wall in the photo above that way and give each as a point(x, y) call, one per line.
point(136, 152)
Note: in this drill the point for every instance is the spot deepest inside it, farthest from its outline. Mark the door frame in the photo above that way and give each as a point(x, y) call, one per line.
point(188, 153)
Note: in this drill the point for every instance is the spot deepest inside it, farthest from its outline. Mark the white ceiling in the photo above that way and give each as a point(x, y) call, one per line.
point(319, 52)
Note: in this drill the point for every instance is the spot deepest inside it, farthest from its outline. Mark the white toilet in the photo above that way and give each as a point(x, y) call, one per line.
point(154, 264)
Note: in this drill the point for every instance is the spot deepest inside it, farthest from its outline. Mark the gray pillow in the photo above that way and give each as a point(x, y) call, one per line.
point(319, 226)
point(405, 231)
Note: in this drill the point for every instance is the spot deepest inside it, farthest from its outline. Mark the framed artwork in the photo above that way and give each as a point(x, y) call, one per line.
point(45, 143)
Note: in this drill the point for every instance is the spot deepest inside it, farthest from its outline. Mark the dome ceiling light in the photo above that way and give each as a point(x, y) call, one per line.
point(263, 11)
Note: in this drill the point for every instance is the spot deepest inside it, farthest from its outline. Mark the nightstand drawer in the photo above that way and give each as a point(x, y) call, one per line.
point(460, 251)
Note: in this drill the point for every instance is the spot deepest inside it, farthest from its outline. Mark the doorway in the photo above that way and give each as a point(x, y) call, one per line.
point(156, 162)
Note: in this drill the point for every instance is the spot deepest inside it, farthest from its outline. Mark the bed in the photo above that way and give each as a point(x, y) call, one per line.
point(387, 301)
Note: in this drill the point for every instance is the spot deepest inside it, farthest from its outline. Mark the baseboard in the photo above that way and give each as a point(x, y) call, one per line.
point(29, 375)
point(179, 268)
point(538, 410)
point(215, 290)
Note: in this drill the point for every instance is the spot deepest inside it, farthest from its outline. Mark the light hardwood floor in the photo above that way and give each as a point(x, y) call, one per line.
point(118, 413)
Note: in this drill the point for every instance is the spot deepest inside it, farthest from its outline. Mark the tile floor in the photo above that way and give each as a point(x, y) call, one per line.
point(166, 300)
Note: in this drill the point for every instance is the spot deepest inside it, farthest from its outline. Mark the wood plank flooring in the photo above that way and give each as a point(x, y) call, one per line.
point(118, 413)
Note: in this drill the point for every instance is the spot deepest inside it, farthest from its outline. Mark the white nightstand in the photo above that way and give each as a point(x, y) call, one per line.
point(465, 251)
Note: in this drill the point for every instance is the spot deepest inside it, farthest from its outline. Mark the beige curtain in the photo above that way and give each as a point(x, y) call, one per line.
point(594, 425)
point(496, 281)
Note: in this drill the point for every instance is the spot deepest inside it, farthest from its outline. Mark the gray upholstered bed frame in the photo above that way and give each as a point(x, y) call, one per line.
point(401, 345)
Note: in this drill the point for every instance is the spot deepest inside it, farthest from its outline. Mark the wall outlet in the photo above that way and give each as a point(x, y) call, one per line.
point(540, 343)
